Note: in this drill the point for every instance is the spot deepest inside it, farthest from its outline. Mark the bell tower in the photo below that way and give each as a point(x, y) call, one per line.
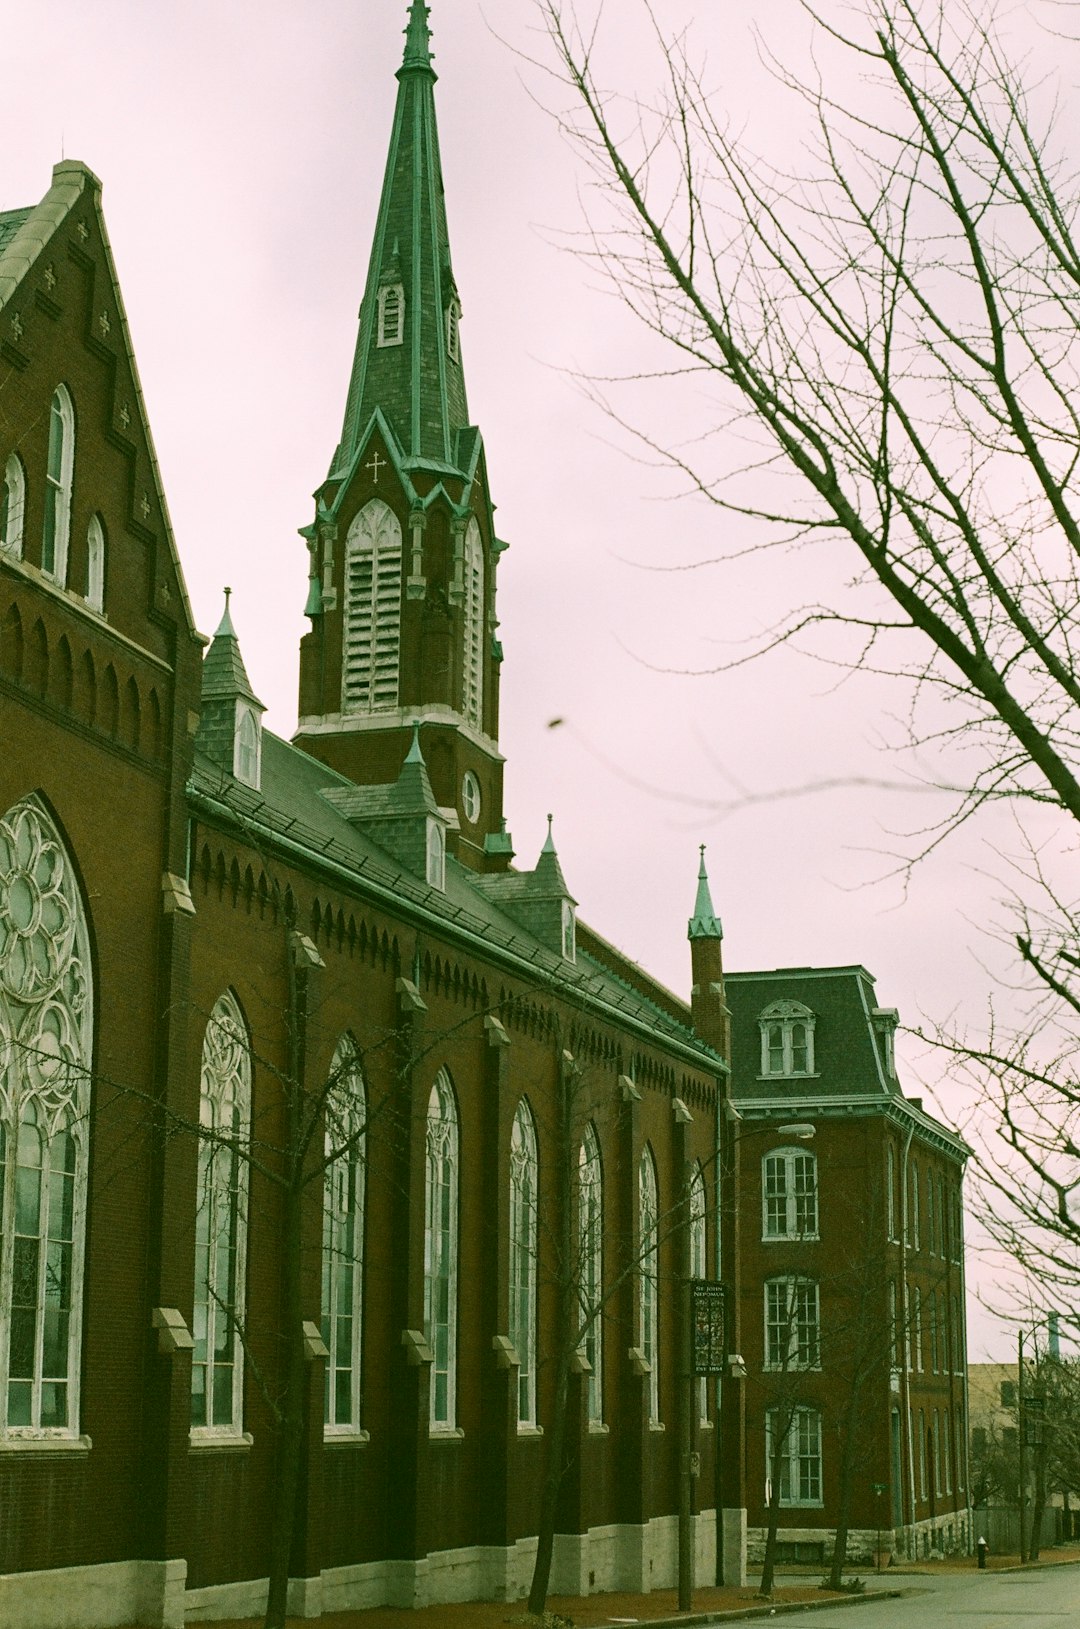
point(402, 549)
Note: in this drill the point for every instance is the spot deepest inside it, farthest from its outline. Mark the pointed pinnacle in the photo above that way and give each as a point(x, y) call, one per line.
point(549, 840)
point(704, 924)
point(417, 37)
point(414, 755)
point(225, 626)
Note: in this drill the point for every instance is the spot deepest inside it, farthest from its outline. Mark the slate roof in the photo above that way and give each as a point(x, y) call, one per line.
point(10, 223)
point(295, 810)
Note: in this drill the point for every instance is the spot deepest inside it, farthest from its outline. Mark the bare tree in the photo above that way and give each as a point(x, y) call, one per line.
point(894, 336)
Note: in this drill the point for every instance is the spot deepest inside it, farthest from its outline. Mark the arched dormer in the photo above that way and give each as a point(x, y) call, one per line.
point(372, 652)
point(787, 1040)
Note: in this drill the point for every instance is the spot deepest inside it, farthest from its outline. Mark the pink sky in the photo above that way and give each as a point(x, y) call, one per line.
point(241, 149)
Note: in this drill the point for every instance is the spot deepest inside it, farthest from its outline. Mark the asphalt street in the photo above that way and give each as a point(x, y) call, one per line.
point(967, 1600)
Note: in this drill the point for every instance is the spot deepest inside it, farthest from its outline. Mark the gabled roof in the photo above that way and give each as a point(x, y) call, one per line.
point(295, 811)
point(418, 385)
point(24, 236)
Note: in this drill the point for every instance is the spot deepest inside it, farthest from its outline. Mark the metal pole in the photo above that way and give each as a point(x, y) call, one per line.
point(1022, 1423)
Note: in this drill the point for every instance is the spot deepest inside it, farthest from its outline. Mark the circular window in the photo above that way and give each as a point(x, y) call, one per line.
point(470, 797)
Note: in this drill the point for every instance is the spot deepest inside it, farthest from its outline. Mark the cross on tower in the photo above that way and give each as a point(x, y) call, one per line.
point(375, 466)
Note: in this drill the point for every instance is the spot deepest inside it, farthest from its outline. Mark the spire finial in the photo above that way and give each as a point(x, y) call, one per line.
point(225, 626)
point(549, 840)
point(417, 37)
point(704, 924)
point(414, 755)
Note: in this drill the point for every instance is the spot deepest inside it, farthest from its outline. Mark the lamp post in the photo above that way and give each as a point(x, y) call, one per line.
point(800, 1131)
point(1024, 1409)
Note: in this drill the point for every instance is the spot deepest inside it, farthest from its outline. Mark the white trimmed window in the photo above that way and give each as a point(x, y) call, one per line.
point(46, 1038)
point(473, 643)
point(13, 506)
point(916, 1319)
point(436, 854)
point(372, 610)
point(933, 1334)
point(591, 1266)
point(890, 1192)
point(894, 1329)
point(247, 745)
point(698, 1265)
point(441, 1250)
point(569, 932)
point(343, 1240)
point(792, 1324)
point(914, 1239)
point(924, 1485)
point(649, 1277)
point(59, 474)
point(787, 1039)
point(217, 1362)
point(789, 1194)
point(931, 1236)
point(523, 1192)
point(391, 315)
point(800, 1455)
point(95, 564)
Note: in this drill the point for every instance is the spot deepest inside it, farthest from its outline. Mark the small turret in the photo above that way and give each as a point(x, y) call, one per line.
point(539, 900)
point(403, 818)
point(230, 720)
point(711, 1017)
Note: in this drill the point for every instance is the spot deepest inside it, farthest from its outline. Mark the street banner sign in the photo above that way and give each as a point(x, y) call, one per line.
point(708, 1327)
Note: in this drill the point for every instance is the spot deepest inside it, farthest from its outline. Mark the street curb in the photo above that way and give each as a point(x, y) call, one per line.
point(738, 1613)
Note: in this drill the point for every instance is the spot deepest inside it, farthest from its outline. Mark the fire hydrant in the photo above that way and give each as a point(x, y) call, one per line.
point(982, 1547)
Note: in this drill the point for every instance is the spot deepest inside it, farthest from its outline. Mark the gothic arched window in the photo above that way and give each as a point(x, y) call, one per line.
point(441, 1249)
point(217, 1363)
point(473, 648)
point(12, 506)
point(247, 746)
point(343, 1238)
point(591, 1268)
point(523, 1193)
point(649, 1279)
point(59, 474)
point(372, 610)
point(95, 564)
point(46, 1035)
point(698, 1268)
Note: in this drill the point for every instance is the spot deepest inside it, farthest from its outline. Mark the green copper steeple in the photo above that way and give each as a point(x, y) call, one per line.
point(408, 354)
point(704, 924)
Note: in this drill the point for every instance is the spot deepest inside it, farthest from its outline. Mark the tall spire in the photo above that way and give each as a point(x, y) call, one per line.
point(408, 352)
point(704, 924)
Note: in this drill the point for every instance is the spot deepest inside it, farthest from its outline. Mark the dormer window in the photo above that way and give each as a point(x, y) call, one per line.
point(787, 1039)
point(453, 330)
point(569, 932)
point(436, 855)
point(885, 1021)
point(247, 747)
point(391, 315)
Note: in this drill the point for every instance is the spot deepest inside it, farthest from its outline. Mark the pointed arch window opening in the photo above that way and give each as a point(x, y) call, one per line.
point(649, 1279)
point(473, 641)
point(435, 865)
point(59, 476)
point(217, 1366)
point(441, 1251)
point(372, 610)
point(13, 507)
point(46, 1031)
point(390, 328)
point(247, 746)
point(453, 329)
point(95, 564)
point(591, 1267)
point(343, 1242)
point(524, 1187)
point(698, 1265)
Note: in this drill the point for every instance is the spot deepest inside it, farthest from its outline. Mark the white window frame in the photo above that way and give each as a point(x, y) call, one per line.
point(95, 564)
point(345, 1143)
point(916, 1317)
point(524, 1190)
point(569, 932)
point(792, 1339)
point(247, 745)
point(797, 1202)
point(890, 1193)
point(13, 519)
point(649, 1277)
point(441, 1243)
point(931, 1240)
point(894, 1328)
point(472, 653)
point(781, 1024)
point(225, 1112)
point(391, 316)
point(800, 1455)
point(47, 1001)
point(435, 854)
point(591, 1266)
point(915, 1230)
point(59, 483)
point(372, 643)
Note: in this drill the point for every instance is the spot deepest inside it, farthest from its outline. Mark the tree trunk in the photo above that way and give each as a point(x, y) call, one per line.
point(847, 1486)
point(549, 1496)
point(291, 1419)
point(768, 1569)
point(1038, 1504)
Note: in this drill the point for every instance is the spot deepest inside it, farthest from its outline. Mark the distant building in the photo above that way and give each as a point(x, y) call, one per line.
point(850, 1219)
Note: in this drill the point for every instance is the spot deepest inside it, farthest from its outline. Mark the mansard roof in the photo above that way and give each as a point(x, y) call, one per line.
point(300, 811)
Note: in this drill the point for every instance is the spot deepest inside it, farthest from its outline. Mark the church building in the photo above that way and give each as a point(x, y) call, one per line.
point(336, 1149)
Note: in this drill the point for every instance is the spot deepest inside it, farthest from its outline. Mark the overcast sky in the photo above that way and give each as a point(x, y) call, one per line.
point(241, 148)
